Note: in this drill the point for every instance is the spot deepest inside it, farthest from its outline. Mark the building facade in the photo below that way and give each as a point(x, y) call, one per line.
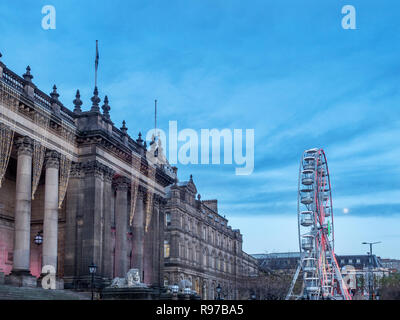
point(75, 190)
point(202, 248)
point(391, 264)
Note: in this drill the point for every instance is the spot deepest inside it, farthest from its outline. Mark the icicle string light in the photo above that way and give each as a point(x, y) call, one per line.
point(9, 99)
point(134, 186)
point(6, 136)
point(65, 169)
point(39, 151)
point(149, 205)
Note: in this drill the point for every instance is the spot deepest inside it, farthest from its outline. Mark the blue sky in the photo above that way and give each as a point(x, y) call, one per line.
point(283, 68)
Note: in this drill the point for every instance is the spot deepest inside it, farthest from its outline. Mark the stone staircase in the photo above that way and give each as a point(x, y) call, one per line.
point(24, 293)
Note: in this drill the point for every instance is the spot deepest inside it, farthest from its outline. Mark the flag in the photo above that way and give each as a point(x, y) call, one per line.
point(97, 55)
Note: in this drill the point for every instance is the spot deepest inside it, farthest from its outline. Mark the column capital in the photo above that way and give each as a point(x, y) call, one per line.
point(108, 174)
point(159, 200)
point(94, 168)
point(24, 145)
point(76, 170)
point(142, 191)
point(52, 159)
point(121, 183)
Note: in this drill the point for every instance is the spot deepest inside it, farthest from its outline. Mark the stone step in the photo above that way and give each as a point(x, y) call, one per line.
point(23, 293)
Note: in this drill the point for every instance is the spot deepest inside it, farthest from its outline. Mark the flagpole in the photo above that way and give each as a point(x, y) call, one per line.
point(155, 117)
point(96, 63)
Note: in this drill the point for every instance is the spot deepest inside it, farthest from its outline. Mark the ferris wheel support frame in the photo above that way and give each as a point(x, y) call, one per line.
point(316, 232)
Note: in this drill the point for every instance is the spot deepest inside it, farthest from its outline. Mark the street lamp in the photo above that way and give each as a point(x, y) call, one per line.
point(218, 289)
point(370, 275)
point(174, 290)
point(38, 238)
point(92, 270)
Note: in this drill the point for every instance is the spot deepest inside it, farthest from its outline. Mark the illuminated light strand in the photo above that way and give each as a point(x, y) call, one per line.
point(65, 166)
point(9, 99)
point(150, 195)
point(39, 151)
point(134, 186)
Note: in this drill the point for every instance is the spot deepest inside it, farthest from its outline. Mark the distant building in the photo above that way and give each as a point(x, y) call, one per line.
point(359, 262)
point(358, 266)
point(200, 247)
point(392, 264)
point(282, 261)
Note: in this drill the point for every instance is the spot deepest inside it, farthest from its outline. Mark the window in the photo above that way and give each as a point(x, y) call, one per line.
point(166, 249)
point(350, 260)
point(189, 254)
point(358, 261)
point(167, 219)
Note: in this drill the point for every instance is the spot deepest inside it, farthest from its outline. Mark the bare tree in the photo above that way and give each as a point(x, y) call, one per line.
point(390, 287)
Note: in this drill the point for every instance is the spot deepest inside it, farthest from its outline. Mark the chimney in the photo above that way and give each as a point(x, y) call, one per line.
point(212, 204)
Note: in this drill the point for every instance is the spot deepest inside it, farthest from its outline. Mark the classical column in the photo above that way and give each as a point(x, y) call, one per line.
point(91, 230)
point(107, 239)
point(159, 242)
point(121, 185)
point(138, 233)
point(73, 200)
point(50, 221)
point(22, 224)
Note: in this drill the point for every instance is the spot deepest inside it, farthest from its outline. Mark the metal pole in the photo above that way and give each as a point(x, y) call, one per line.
point(370, 287)
point(370, 273)
point(92, 285)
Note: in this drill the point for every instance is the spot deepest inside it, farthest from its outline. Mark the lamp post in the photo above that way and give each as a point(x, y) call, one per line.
point(218, 289)
point(38, 240)
point(370, 275)
point(175, 290)
point(92, 270)
point(187, 292)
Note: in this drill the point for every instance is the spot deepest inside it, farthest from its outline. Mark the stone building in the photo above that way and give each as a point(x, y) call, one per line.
point(201, 247)
point(76, 190)
point(75, 180)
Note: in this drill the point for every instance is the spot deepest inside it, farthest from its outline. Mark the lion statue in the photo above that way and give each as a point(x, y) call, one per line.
point(132, 279)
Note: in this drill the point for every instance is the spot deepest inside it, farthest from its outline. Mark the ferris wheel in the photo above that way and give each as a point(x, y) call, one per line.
point(321, 274)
